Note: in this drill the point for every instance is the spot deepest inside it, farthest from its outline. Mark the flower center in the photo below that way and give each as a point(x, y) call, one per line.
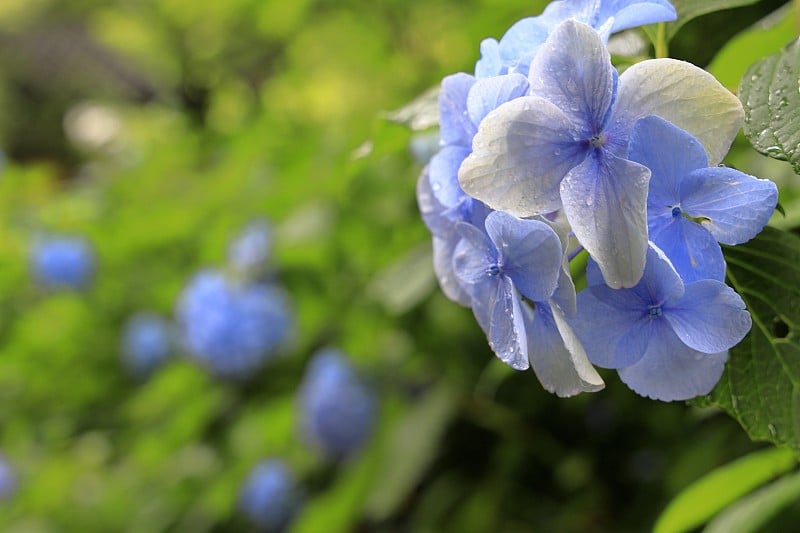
point(676, 212)
point(597, 140)
point(655, 311)
point(493, 270)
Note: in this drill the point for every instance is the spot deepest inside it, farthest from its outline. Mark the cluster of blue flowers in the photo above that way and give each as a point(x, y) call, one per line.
point(63, 262)
point(233, 324)
point(547, 151)
point(147, 342)
point(270, 496)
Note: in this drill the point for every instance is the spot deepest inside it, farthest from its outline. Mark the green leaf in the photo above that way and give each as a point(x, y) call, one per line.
point(691, 9)
point(750, 514)
point(772, 105)
point(765, 37)
point(761, 384)
point(707, 496)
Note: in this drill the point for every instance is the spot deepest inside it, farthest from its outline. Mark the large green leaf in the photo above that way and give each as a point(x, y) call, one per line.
point(761, 384)
point(710, 494)
point(772, 104)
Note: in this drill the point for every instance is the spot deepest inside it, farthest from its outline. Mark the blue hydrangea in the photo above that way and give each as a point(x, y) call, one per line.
point(337, 410)
point(146, 343)
point(8, 479)
point(270, 496)
point(63, 262)
point(232, 328)
point(249, 251)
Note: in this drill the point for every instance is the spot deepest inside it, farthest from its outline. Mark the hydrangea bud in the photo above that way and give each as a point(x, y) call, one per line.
point(337, 410)
point(231, 328)
point(146, 343)
point(63, 262)
point(269, 496)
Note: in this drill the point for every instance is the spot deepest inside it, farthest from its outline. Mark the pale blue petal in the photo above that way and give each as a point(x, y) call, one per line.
point(490, 63)
point(520, 154)
point(530, 253)
point(489, 93)
point(660, 281)
point(733, 206)
point(605, 200)
point(443, 250)
point(671, 371)
point(520, 44)
point(670, 153)
point(506, 334)
point(556, 354)
point(605, 318)
point(710, 317)
point(573, 70)
point(632, 13)
point(473, 256)
point(564, 296)
point(593, 275)
point(443, 171)
point(692, 250)
point(455, 126)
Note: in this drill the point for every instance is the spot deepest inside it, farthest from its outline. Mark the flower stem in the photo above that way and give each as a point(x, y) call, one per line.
point(661, 44)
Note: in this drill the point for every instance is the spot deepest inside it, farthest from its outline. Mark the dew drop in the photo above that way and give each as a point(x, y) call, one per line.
point(556, 153)
point(589, 202)
point(436, 186)
point(754, 77)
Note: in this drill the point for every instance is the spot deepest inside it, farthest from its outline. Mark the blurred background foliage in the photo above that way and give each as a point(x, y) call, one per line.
point(158, 129)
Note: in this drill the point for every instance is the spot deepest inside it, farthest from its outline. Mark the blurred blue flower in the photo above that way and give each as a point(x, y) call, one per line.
point(249, 251)
point(63, 262)
point(517, 48)
point(231, 328)
point(337, 410)
point(146, 343)
point(691, 206)
point(668, 340)
point(8, 479)
point(269, 496)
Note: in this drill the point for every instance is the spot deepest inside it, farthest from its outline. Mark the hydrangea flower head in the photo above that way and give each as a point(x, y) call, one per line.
point(249, 251)
point(146, 343)
point(667, 339)
point(269, 497)
point(517, 48)
point(565, 145)
point(63, 262)
point(337, 410)
point(232, 328)
point(691, 206)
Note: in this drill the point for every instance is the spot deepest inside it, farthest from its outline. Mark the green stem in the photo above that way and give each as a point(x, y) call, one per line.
point(797, 16)
point(661, 45)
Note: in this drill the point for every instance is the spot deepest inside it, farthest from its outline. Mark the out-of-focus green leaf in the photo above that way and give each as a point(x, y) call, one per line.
point(760, 40)
point(412, 448)
point(691, 9)
point(761, 384)
point(749, 514)
point(403, 284)
point(718, 489)
point(772, 105)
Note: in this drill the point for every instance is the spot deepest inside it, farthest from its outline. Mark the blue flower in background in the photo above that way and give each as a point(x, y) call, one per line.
point(8, 479)
point(690, 206)
point(146, 343)
point(63, 262)
point(667, 339)
point(565, 145)
point(269, 497)
point(249, 251)
point(517, 48)
point(337, 410)
point(231, 328)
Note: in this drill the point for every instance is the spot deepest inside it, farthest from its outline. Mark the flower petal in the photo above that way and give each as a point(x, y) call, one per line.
point(636, 13)
point(710, 317)
point(685, 95)
point(734, 206)
point(473, 255)
point(443, 171)
point(671, 371)
point(556, 354)
point(604, 319)
point(489, 93)
point(490, 63)
point(520, 44)
point(506, 334)
point(520, 154)
point(605, 201)
point(455, 126)
point(573, 70)
point(530, 251)
point(670, 153)
point(692, 250)
point(443, 250)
